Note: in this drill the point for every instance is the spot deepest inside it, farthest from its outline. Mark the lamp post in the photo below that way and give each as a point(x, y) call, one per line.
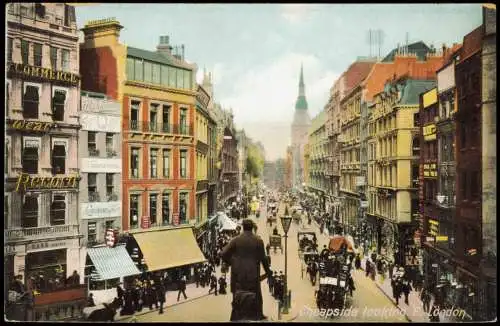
point(286, 220)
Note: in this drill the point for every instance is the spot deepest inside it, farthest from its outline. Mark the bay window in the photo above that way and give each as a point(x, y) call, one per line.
point(147, 72)
point(58, 210)
point(58, 102)
point(156, 74)
point(172, 77)
point(31, 101)
point(130, 69)
point(138, 70)
point(29, 217)
point(164, 75)
point(180, 78)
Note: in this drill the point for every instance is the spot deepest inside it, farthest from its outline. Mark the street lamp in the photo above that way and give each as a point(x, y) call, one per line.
point(286, 221)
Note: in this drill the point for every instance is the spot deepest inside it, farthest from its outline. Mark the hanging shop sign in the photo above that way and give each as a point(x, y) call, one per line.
point(430, 170)
point(433, 228)
point(31, 125)
point(429, 132)
point(24, 70)
point(26, 182)
point(145, 222)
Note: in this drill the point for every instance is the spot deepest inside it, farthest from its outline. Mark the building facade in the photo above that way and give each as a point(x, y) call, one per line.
point(300, 128)
point(318, 159)
point(394, 166)
point(41, 170)
point(100, 164)
point(157, 93)
point(288, 168)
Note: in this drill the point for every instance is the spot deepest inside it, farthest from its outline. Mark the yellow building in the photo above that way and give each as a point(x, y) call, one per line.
point(393, 160)
point(201, 138)
point(318, 157)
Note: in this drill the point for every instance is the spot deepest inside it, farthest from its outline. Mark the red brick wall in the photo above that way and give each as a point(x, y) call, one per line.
point(98, 68)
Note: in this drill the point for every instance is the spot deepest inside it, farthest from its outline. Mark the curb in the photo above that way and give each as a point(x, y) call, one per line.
point(125, 318)
point(394, 303)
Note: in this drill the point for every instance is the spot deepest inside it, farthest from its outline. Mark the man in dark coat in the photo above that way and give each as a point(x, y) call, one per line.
point(160, 295)
point(213, 284)
point(182, 288)
point(222, 285)
point(244, 254)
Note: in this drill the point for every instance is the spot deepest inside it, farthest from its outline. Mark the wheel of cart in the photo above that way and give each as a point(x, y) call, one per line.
point(275, 242)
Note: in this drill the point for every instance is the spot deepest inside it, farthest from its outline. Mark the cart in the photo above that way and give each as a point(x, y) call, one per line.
point(306, 241)
point(275, 242)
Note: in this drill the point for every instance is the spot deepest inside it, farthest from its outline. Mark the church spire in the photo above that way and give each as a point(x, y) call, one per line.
point(301, 103)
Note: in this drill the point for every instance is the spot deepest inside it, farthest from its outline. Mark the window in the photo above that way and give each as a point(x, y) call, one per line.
point(147, 72)
point(92, 144)
point(183, 170)
point(164, 75)
point(187, 79)
point(165, 204)
point(37, 54)
point(58, 102)
point(10, 47)
point(92, 187)
point(134, 115)
point(7, 98)
point(153, 159)
point(171, 77)
point(138, 70)
point(59, 157)
point(166, 118)
point(474, 183)
point(29, 217)
point(416, 147)
point(156, 74)
point(166, 163)
point(58, 210)
point(134, 163)
point(65, 60)
point(30, 102)
point(109, 225)
point(180, 78)
point(110, 144)
point(183, 121)
point(153, 117)
point(30, 156)
point(153, 202)
point(416, 120)
point(25, 51)
point(6, 211)
point(134, 211)
point(53, 58)
point(130, 69)
point(92, 232)
point(110, 185)
point(182, 208)
point(6, 159)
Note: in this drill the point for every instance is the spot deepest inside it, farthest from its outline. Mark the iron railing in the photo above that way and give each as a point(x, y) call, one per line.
point(155, 127)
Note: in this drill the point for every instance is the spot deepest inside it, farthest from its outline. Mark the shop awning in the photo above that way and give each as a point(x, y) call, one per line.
point(169, 248)
point(226, 223)
point(112, 263)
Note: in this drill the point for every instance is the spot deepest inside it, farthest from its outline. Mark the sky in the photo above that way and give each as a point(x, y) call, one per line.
point(254, 51)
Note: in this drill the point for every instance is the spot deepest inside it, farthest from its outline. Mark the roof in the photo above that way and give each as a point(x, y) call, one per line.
point(356, 73)
point(420, 48)
point(412, 90)
point(155, 57)
point(472, 43)
point(107, 260)
point(301, 103)
point(169, 248)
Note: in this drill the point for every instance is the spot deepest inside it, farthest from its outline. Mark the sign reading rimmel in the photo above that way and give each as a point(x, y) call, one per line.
point(25, 182)
point(45, 74)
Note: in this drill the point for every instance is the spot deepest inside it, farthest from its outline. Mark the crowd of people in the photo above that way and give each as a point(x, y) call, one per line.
point(150, 292)
point(37, 283)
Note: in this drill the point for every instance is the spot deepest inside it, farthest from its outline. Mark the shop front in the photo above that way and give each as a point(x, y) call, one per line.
point(203, 237)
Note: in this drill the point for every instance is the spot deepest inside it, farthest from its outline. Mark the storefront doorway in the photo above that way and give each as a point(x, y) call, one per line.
point(47, 269)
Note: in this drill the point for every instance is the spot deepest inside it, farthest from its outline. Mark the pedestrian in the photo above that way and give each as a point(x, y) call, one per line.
point(222, 285)
point(197, 276)
point(426, 300)
point(120, 294)
point(270, 282)
point(367, 267)
point(182, 288)
point(397, 291)
point(90, 300)
point(213, 284)
point(245, 253)
point(357, 262)
point(160, 294)
point(406, 288)
point(268, 249)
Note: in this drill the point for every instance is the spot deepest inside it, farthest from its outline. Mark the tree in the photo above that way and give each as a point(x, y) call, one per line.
point(255, 161)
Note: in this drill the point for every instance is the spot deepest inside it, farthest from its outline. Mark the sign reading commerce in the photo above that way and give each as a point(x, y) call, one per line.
point(43, 73)
point(26, 182)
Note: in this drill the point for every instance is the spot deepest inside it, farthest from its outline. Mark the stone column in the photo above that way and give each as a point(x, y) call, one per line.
point(73, 260)
point(44, 203)
point(16, 210)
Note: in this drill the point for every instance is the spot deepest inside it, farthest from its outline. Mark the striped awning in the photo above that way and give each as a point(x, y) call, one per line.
point(112, 263)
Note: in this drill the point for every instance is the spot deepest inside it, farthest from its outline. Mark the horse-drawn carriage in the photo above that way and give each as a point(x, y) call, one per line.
point(275, 242)
point(297, 213)
point(102, 312)
point(307, 242)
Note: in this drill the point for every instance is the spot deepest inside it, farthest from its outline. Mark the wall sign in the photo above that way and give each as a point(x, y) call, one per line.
point(433, 227)
point(26, 182)
point(100, 210)
point(31, 125)
point(43, 73)
point(430, 170)
point(40, 246)
point(101, 165)
point(429, 132)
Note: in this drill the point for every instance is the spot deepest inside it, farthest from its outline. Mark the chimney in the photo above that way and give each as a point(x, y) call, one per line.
point(164, 46)
point(105, 31)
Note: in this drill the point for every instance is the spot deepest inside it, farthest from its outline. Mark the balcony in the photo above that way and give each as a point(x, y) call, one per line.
point(94, 197)
point(111, 153)
point(111, 197)
point(39, 233)
point(160, 128)
point(94, 152)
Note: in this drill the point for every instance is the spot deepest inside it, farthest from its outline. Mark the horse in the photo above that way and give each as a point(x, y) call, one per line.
point(102, 312)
